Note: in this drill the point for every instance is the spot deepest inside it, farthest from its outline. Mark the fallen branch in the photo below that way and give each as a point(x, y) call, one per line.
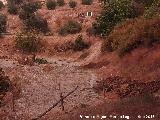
point(54, 105)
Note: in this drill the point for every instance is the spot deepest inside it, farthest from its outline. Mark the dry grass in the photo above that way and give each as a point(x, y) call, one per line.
point(133, 33)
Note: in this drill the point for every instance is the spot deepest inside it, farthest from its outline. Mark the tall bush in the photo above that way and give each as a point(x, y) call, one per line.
point(114, 13)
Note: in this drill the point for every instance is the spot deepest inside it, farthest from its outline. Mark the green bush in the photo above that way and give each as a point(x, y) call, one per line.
point(31, 7)
point(79, 44)
point(72, 3)
point(60, 2)
point(114, 13)
point(12, 9)
point(3, 22)
point(51, 4)
point(86, 2)
point(27, 42)
point(71, 27)
point(1, 5)
point(37, 23)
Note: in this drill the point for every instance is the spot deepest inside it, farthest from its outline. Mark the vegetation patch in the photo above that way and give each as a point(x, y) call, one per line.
point(72, 4)
point(71, 27)
point(86, 2)
point(60, 2)
point(37, 23)
point(114, 13)
point(3, 22)
point(31, 7)
point(79, 44)
point(41, 61)
point(51, 4)
point(27, 42)
point(133, 33)
point(12, 9)
point(4, 82)
point(1, 5)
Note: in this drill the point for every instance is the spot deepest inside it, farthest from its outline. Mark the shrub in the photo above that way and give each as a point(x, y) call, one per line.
point(51, 4)
point(79, 44)
point(62, 30)
point(24, 15)
point(3, 23)
point(72, 3)
point(86, 2)
point(71, 27)
point(31, 7)
point(27, 42)
point(4, 82)
point(15, 1)
point(60, 2)
point(114, 13)
point(94, 30)
point(41, 61)
point(37, 23)
point(12, 9)
point(1, 5)
point(133, 33)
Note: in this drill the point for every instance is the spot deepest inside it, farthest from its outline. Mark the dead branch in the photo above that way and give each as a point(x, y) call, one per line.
point(54, 105)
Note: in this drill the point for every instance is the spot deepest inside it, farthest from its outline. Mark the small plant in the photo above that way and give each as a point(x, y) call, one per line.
point(71, 27)
point(27, 42)
point(3, 23)
point(41, 61)
point(37, 23)
point(79, 44)
point(12, 9)
point(31, 7)
point(62, 31)
point(1, 5)
point(51, 4)
point(72, 3)
point(60, 2)
point(86, 2)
